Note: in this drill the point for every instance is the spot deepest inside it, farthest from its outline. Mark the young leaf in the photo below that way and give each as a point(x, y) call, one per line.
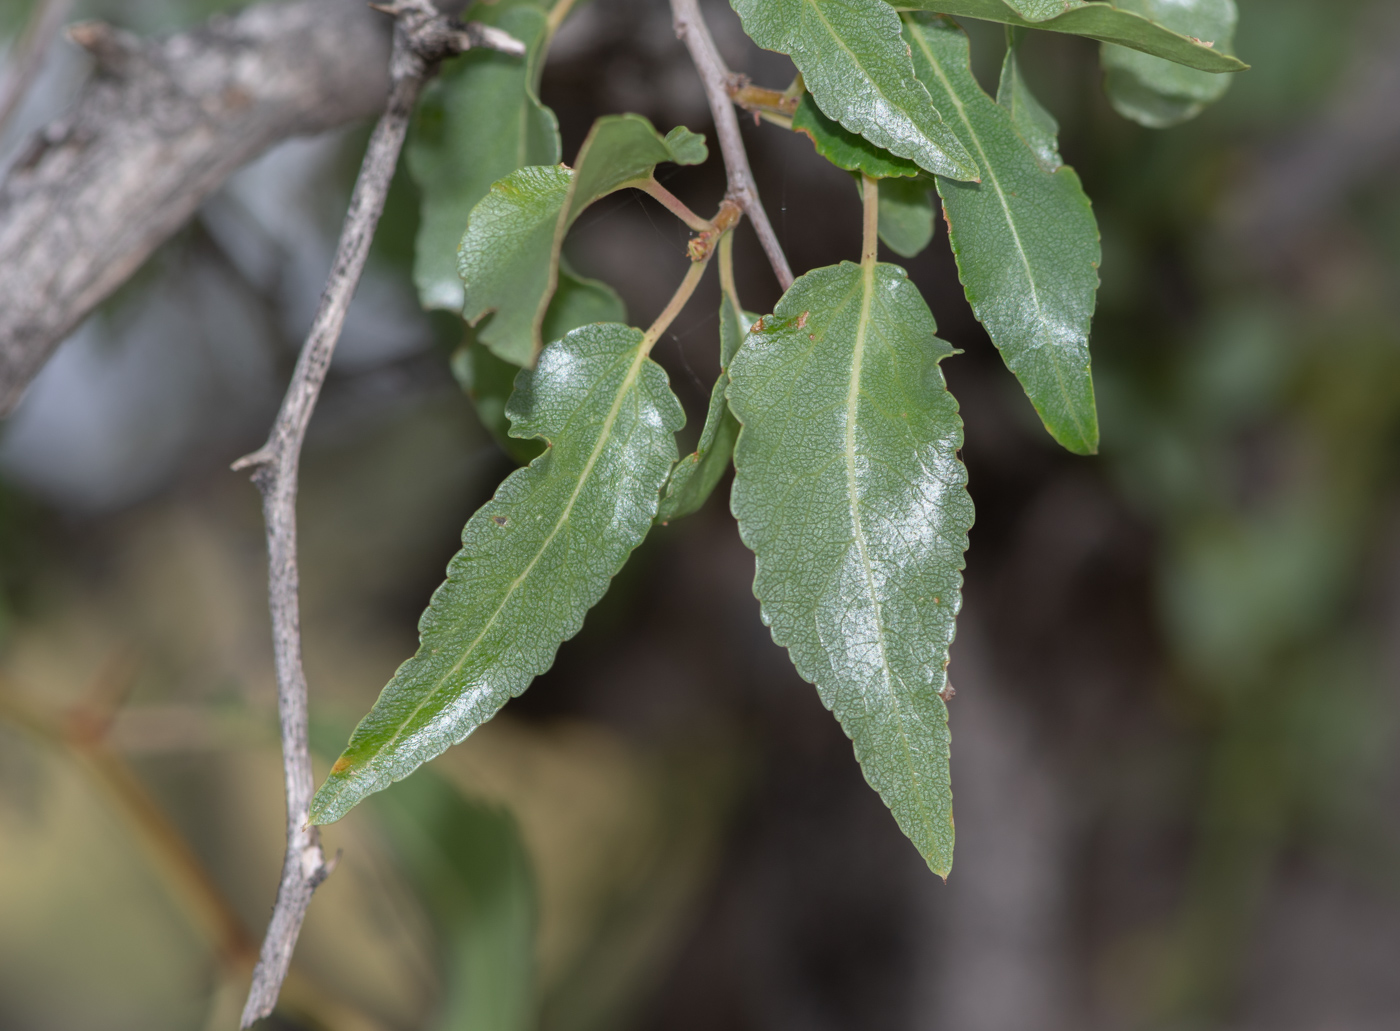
point(1105, 22)
point(509, 256)
point(694, 477)
point(1157, 93)
point(846, 149)
point(478, 120)
point(1036, 125)
point(534, 558)
point(906, 215)
point(848, 488)
point(1026, 242)
point(857, 69)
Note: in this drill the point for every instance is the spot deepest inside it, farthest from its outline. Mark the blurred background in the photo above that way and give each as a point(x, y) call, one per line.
point(1175, 765)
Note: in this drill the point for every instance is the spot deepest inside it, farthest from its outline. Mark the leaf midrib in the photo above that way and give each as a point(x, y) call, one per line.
point(603, 438)
point(858, 529)
point(1010, 224)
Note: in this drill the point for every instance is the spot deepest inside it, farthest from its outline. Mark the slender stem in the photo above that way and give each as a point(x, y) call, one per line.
point(870, 236)
point(781, 121)
point(761, 98)
point(556, 17)
point(691, 28)
point(27, 57)
point(672, 203)
point(422, 37)
point(678, 301)
point(726, 274)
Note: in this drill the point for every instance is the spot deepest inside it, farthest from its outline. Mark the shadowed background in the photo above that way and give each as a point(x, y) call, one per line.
point(1174, 736)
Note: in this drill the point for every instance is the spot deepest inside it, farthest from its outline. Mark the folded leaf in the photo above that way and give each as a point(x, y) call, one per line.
point(478, 120)
point(857, 69)
point(509, 257)
point(694, 478)
point(848, 488)
point(1036, 125)
point(1158, 93)
point(534, 558)
point(906, 215)
point(1026, 242)
point(1104, 22)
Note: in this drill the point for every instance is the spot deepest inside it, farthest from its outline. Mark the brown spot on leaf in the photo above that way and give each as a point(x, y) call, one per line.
point(499, 520)
point(341, 765)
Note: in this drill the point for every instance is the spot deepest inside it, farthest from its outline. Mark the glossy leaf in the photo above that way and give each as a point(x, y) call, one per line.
point(857, 69)
point(906, 215)
point(1036, 125)
point(470, 867)
point(478, 120)
point(489, 380)
point(509, 256)
point(1026, 242)
point(1158, 93)
point(534, 558)
point(1104, 22)
point(849, 491)
point(695, 476)
point(846, 149)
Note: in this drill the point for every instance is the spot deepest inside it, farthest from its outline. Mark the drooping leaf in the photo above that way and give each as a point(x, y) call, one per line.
point(846, 149)
point(509, 256)
point(478, 120)
point(857, 69)
point(1102, 21)
point(1036, 125)
point(906, 215)
point(694, 478)
point(1026, 242)
point(849, 491)
point(1158, 93)
point(468, 863)
point(489, 380)
point(534, 558)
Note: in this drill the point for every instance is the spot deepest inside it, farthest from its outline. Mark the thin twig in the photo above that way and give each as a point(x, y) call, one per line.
point(27, 57)
point(692, 30)
point(422, 37)
point(671, 203)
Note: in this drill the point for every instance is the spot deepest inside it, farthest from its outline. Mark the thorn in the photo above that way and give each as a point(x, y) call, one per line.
point(262, 456)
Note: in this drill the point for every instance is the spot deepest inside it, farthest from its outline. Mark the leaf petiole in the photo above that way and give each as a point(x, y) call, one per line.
point(677, 302)
point(870, 237)
point(671, 203)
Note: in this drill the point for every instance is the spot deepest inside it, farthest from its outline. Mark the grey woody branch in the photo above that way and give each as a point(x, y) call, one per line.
point(719, 81)
point(422, 38)
point(158, 128)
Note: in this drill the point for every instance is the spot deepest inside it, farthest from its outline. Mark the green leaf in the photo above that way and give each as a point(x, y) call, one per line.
point(1036, 125)
point(509, 256)
point(489, 380)
point(534, 558)
point(846, 149)
point(1158, 93)
point(471, 870)
point(906, 215)
point(848, 488)
point(1104, 22)
point(478, 120)
point(505, 257)
point(857, 69)
point(694, 478)
point(1026, 242)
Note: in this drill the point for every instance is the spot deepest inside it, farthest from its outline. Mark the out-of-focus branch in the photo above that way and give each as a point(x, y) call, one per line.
point(161, 125)
point(28, 55)
point(422, 38)
point(718, 80)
